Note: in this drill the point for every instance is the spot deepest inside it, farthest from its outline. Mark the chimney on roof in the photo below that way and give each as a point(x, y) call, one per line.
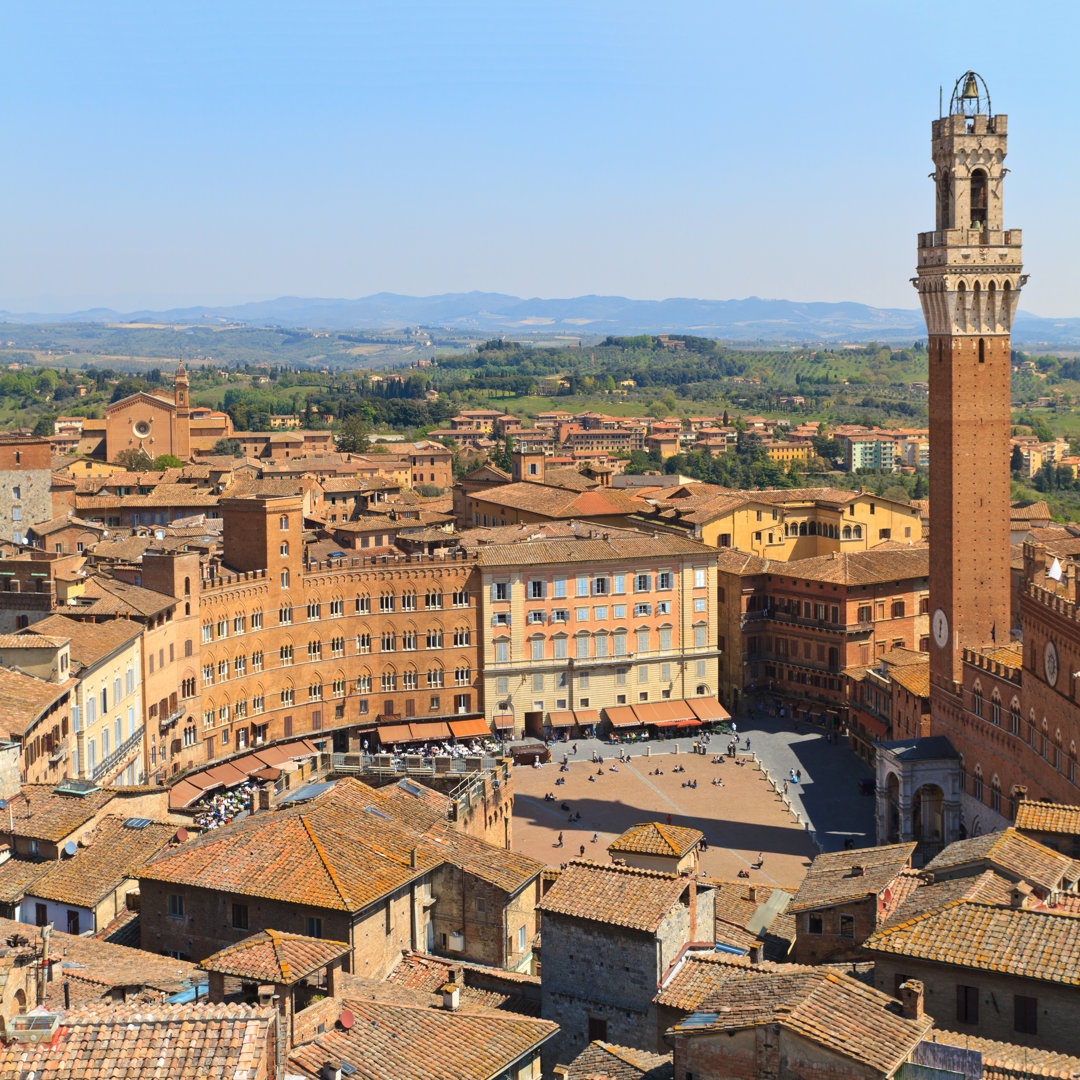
point(856, 871)
point(451, 996)
point(911, 999)
point(412, 859)
point(1020, 895)
point(751, 893)
point(756, 954)
point(331, 1070)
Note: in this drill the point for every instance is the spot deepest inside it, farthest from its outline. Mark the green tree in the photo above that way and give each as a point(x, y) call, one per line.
point(1016, 462)
point(352, 436)
point(227, 448)
point(134, 459)
point(167, 461)
point(44, 426)
point(502, 458)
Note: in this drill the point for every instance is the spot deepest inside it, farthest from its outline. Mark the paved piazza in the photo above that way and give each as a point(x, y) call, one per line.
point(743, 818)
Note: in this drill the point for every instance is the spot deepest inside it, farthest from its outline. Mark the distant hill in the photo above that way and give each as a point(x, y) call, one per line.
point(751, 319)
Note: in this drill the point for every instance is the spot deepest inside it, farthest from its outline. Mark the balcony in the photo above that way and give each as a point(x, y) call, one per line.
point(170, 720)
point(119, 754)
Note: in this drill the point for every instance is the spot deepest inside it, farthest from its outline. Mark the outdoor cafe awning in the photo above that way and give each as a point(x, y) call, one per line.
point(394, 733)
point(503, 720)
point(433, 729)
point(622, 716)
point(561, 719)
point(708, 709)
point(676, 723)
point(587, 717)
point(467, 729)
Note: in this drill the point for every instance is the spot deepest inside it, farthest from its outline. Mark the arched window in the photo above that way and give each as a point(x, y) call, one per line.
point(856, 532)
point(982, 351)
point(802, 528)
point(847, 532)
point(995, 710)
point(977, 700)
point(977, 783)
point(978, 199)
point(944, 200)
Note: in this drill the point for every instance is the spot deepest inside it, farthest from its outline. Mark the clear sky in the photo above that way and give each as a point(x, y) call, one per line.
point(212, 152)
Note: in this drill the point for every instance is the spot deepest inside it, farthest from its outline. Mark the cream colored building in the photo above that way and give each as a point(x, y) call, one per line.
point(591, 623)
point(107, 729)
point(783, 524)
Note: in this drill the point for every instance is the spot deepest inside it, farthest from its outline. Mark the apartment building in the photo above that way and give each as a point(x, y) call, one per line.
point(584, 623)
point(289, 645)
point(25, 484)
point(107, 710)
point(793, 628)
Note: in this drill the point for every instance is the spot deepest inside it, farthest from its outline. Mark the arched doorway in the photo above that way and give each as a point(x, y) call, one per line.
point(892, 803)
point(928, 814)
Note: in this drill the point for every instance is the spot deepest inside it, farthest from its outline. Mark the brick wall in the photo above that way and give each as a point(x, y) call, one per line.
point(1057, 1006)
point(831, 945)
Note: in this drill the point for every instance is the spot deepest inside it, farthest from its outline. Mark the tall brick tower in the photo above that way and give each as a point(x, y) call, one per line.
point(969, 284)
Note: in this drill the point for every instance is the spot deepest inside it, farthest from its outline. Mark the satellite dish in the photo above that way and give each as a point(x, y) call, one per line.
point(3, 804)
point(347, 1019)
point(70, 848)
point(181, 835)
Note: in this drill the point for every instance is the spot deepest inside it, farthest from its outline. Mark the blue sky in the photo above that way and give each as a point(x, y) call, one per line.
point(168, 153)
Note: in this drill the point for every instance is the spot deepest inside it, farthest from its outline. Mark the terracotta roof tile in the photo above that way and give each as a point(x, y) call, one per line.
point(700, 976)
point(734, 909)
point(481, 987)
point(140, 1042)
point(656, 838)
point(90, 642)
point(40, 812)
point(616, 895)
point(391, 1041)
point(835, 877)
point(832, 1010)
point(1008, 1061)
point(562, 551)
point(1009, 851)
point(274, 957)
point(608, 1061)
point(988, 937)
point(26, 697)
point(1048, 818)
point(112, 853)
point(931, 896)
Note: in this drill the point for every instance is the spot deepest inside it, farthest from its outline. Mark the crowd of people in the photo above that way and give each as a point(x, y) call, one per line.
point(222, 807)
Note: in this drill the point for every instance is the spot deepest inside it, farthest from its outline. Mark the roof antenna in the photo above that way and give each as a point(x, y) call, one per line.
point(939, 104)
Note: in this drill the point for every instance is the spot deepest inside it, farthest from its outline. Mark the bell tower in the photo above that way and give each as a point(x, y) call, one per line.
point(181, 419)
point(969, 280)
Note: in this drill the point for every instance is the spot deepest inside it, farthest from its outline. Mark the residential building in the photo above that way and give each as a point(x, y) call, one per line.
point(794, 627)
point(348, 863)
point(610, 933)
point(844, 898)
point(877, 452)
point(591, 622)
point(107, 720)
point(654, 845)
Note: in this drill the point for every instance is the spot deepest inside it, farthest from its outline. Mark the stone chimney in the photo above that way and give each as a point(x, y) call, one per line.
point(756, 954)
point(451, 996)
point(856, 871)
point(911, 999)
point(751, 893)
point(1021, 895)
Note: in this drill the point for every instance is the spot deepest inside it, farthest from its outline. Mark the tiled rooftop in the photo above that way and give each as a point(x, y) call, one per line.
point(656, 838)
point(559, 552)
point(834, 878)
point(343, 850)
point(1048, 818)
point(608, 1061)
point(832, 1010)
point(39, 812)
point(481, 987)
point(417, 1043)
point(273, 957)
point(1007, 1061)
point(145, 1042)
point(989, 887)
point(1011, 852)
point(616, 895)
point(112, 853)
point(700, 976)
point(988, 937)
point(90, 642)
point(25, 698)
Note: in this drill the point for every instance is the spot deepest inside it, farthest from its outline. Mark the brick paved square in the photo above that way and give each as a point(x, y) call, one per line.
point(743, 818)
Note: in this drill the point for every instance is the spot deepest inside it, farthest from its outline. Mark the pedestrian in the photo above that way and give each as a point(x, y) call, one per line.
point(747, 742)
point(583, 851)
point(559, 844)
point(595, 837)
point(669, 819)
point(575, 748)
point(798, 775)
point(785, 787)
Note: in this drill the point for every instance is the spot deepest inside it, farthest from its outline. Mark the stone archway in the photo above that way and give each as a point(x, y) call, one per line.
point(892, 808)
point(928, 814)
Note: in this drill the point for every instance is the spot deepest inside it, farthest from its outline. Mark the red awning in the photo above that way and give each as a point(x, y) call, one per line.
point(226, 773)
point(622, 716)
point(503, 720)
point(183, 794)
point(561, 719)
point(708, 709)
point(274, 755)
point(267, 773)
point(394, 733)
point(467, 729)
point(435, 729)
point(587, 717)
point(676, 723)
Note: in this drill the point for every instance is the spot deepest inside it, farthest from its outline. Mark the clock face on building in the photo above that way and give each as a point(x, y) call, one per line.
point(940, 628)
point(1050, 663)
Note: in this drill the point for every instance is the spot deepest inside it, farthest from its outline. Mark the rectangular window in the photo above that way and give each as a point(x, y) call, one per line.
point(699, 636)
point(502, 685)
point(699, 577)
point(559, 589)
point(582, 645)
point(502, 652)
point(537, 590)
point(582, 586)
point(240, 916)
point(664, 580)
point(521, 939)
point(620, 644)
point(1026, 1015)
point(665, 640)
point(847, 926)
point(536, 649)
point(967, 1004)
point(500, 590)
point(815, 924)
point(642, 582)
point(176, 906)
point(560, 648)
point(313, 927)
point(618, 583)
point(641, 610)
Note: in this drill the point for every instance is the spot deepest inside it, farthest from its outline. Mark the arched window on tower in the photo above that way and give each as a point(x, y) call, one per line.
point(944, 200)
point(978, 199)
point(982, 350)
